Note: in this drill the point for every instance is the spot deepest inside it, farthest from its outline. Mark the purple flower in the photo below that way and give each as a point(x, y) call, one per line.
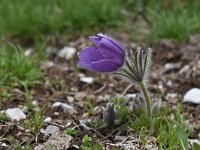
point(106, 56)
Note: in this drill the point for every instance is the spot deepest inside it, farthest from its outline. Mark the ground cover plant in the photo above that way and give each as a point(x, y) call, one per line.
point(16, 68)
point(114, 94)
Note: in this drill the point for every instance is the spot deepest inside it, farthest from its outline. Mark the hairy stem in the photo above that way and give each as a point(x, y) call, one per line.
point(147, 98)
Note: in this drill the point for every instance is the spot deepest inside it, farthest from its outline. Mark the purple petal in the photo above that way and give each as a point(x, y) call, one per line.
point(105, 65)
point(112, 55)
point(90, 54)
point(95, 40)
point(112, 40)
point(85, 64)
point(107, 43)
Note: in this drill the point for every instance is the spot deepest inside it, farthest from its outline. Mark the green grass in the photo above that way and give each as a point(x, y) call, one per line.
point(17, 69)
point(29, 19)
point(175, 20)
point(168, 127)
point(172, 19)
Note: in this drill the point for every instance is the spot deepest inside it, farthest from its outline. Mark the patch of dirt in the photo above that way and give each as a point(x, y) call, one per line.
point(62, 83)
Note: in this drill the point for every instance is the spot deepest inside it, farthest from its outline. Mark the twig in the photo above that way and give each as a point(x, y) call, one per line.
point(127, 88)
point(55, 124)
point(109, 135)
point(5, 132)
point(3, 139)
point(100, 89)
point(19, 145)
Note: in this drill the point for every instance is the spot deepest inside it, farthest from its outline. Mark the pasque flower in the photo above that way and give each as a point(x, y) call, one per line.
point(109, 56)
point(136, 65)
point(106, 56)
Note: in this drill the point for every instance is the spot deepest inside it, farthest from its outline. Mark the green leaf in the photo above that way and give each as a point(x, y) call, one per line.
point(196, 146)
point(86, 141)
point(183, 137)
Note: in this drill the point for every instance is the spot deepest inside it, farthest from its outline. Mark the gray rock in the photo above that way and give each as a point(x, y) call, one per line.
point(58, 141)
point(66, 107)
point(15, 114)
point(51, 129)
point(168, 67)
point(192, 96)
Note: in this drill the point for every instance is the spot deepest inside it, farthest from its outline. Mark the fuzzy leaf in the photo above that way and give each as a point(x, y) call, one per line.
point(183, 137)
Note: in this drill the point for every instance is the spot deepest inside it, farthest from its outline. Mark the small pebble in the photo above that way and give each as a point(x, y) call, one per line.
point(47, 120)
point(51, 129)
point(67, 52)
point(192, 96)
point(66, 107)
point(168, 67)
point(15, 114)
point(88, 80)
point(56, 113)
point(169, 83)
point(46, 65)
point(28, 52)
point(35, 102)
point(131, 96)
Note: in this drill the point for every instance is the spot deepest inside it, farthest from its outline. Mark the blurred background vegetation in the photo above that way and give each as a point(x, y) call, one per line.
point(172, 19)
point(31, 23)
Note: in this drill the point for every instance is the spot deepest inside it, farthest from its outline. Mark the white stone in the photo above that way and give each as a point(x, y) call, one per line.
point(35, 102)
point(169, 83)
point(66, 107)
point(51, 129)
point(46, 65)
point(171, 95)
point(192, 96)
point(131, 96)
point(47, 120)
point(15, 114)
point(56, 104)
point(67, 52)
point(28, 52)
point(192, 141)
point(171, 67)
point(3, 145)
point(56, 113)
point(88, 80)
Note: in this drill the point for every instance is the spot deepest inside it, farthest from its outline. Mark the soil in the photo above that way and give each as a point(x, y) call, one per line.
point(171, 84)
